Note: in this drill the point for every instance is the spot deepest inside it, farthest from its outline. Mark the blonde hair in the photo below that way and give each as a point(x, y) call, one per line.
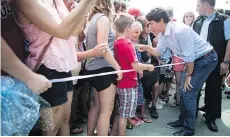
point(102, 6)
point(123, 21)
point(192, 15)
point(137, 24)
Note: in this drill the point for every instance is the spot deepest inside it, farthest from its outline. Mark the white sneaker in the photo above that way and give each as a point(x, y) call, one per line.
point(150, 104)
point(203, 88)
point(160, 101)
point(158, 106)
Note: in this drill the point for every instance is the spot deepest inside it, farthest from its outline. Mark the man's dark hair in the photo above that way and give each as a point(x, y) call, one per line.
point(210, 2)
point(221, 11)
point(157, 14)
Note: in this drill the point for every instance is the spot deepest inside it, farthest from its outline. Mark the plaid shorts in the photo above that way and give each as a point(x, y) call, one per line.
point(127, 102)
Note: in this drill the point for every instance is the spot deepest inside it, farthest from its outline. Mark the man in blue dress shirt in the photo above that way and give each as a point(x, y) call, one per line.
point(199, 56)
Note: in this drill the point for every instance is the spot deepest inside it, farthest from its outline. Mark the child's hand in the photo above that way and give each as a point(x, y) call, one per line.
point(140, 74)
point(151, 68)
point(119, 75)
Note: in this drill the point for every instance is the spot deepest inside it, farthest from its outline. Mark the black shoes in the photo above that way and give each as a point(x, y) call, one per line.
point(203, 109)
point(153, 112)
point(182, 133)
point(175, 124)
point(212, 126)
point(178, 124)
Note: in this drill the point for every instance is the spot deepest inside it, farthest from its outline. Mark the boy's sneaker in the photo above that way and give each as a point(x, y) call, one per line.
point(174, 124)
point(158, 105)
point(150, 105)
point(154, 113)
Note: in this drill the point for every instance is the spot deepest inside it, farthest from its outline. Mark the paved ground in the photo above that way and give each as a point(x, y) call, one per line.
point(167, 114)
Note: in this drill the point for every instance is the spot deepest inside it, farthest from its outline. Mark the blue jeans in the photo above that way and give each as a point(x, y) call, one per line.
point(202, 69)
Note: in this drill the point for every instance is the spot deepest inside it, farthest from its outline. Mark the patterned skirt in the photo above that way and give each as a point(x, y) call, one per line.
point(140, 100)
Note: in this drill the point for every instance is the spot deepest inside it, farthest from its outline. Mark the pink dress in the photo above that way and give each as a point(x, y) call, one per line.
point(61, 54)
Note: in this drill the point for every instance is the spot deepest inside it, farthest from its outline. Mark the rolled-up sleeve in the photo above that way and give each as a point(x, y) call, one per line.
point(161, 46)
point(227, 29)
point(185, 41)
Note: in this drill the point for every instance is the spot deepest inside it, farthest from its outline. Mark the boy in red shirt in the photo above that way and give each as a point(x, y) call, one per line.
point(125, 55)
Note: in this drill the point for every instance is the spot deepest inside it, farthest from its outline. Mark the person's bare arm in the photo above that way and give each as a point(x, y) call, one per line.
point(43, 17)
point(102, 37)
point(149, 49)
point(189, 67)
point(15, 68)
point(103, 25)
point(78, 30)
point(82, 22)
point(84, 55)
point(96, 51)
point(140, 67)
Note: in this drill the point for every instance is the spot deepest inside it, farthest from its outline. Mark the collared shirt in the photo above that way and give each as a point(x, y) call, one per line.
point(167, 54)
point(183, 41)
point(205, 27)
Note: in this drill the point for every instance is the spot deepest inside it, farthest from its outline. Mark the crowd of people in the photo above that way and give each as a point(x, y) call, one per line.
point(43, 40)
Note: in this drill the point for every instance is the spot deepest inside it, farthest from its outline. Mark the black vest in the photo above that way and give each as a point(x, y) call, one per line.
point(215, 33)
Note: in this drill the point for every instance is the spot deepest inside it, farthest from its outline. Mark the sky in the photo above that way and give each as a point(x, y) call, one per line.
point(179, 6)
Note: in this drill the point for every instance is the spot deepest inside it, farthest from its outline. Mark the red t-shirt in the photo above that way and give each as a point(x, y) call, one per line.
point(125, 55)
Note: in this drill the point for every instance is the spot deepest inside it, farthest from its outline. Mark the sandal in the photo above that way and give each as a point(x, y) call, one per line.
point(135, 122)
point(166, 99)
point(76, 130)
point(80, 120)
point(228, 96)
point(145, 119)
point(175, 104)
point(139, 120)
point(110, 131)
point(129, 126)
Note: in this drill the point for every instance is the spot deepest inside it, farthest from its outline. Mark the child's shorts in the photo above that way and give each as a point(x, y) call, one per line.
point(127, 102)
